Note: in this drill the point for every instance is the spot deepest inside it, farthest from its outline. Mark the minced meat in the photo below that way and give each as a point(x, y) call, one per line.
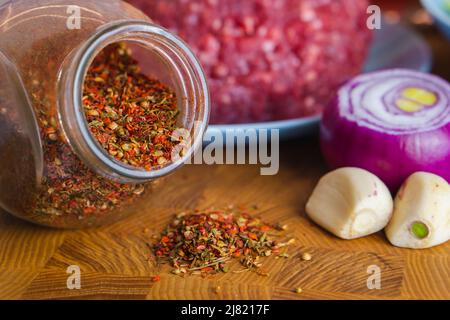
point(269, 59)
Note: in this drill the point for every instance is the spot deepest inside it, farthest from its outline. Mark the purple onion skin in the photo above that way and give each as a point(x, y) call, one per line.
point(392, 158)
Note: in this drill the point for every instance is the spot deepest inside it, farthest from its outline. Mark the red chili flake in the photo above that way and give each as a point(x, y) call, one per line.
point(156, 278)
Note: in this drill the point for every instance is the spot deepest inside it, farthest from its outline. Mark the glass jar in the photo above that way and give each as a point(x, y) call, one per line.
point(52, 170)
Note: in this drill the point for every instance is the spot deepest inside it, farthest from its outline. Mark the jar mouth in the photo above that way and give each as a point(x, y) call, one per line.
point(192, 92)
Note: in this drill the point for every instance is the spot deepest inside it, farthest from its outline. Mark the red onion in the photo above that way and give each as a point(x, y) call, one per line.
point(392, 123)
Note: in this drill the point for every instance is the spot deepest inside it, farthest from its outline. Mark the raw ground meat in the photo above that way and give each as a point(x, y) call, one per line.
point(269, 59)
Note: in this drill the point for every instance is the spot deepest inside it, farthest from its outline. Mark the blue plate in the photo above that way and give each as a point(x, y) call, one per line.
point(394, 46)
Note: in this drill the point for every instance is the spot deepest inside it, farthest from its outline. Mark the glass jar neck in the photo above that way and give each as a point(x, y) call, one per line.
point(179, 66)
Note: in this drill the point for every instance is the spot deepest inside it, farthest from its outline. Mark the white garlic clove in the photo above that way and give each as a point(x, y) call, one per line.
point(421, 216)
point(350, 203)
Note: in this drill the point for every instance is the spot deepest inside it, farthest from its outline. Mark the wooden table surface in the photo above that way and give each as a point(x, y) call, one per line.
point(114, 260)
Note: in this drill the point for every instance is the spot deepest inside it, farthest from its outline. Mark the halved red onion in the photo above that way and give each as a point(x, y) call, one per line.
point(392, 123)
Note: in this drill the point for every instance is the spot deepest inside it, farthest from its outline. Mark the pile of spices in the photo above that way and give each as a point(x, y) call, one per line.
point(204, 241)
point(72, 194)
point(130, 115)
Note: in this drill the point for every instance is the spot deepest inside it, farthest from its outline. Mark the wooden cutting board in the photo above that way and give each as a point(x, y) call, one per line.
point(114, 260)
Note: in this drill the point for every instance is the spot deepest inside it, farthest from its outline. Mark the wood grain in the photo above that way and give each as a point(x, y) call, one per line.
point(116, 263)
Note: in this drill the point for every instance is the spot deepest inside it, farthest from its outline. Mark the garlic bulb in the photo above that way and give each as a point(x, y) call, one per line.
point(421, 216)
point(350, 203)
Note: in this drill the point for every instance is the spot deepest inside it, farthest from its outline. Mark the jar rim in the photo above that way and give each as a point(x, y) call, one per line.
point(85, 144)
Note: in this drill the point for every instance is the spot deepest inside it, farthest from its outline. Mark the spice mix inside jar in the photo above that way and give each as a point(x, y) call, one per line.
point(84, 131)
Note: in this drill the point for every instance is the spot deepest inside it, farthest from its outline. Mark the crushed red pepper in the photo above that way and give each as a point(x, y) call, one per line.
point(70, 190)
point(131, 115)
point(204, 241)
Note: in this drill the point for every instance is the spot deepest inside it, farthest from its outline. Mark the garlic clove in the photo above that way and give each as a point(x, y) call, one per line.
point(350, 203)
point(421, 216)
